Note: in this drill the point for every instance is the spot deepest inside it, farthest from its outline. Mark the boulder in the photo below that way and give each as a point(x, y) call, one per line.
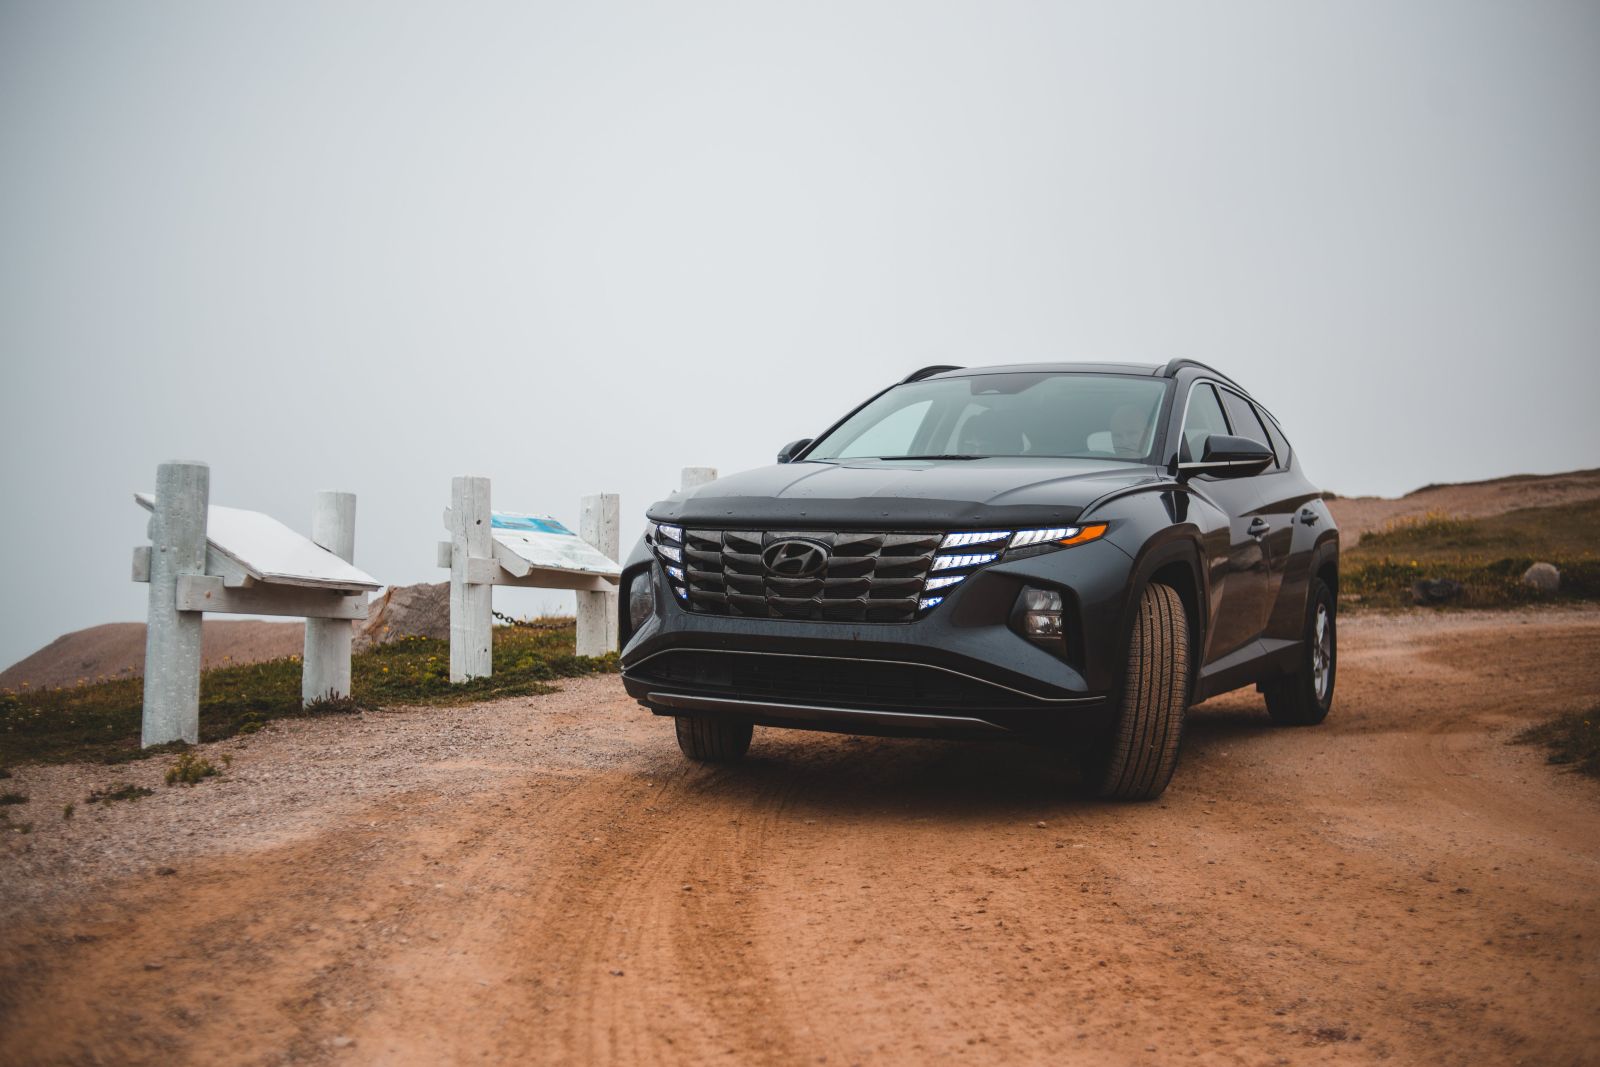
point(1436, 590)
point(407, 611)
point(1542, 578)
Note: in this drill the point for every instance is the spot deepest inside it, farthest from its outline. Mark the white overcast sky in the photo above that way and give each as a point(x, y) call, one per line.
point(575, 247)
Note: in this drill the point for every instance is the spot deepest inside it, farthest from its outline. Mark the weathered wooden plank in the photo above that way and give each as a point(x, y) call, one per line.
point(483, 571)
point(695, 477)
point(325, 671)
point(471, 603)
point(599, 523)
point(265, 549)
point(554, 579)
point(205, 592)
point(172, 634)
point(515, 564)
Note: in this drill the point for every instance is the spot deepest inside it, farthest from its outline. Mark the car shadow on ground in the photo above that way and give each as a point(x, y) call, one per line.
point(833, 776)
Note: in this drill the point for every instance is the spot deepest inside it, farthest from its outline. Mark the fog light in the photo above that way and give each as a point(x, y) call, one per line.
point(1041, 615)
point(641, 600)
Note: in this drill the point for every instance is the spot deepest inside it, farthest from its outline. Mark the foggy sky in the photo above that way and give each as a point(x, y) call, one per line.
point(575, 247)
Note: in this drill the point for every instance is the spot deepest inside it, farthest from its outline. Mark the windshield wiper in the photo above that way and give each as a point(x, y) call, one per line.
point(947, 456)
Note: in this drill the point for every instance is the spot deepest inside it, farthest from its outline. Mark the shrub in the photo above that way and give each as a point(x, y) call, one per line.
point(191, 769)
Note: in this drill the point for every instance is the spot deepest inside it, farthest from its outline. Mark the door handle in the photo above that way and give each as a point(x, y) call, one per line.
point(1308, 516)
point(1259, 527)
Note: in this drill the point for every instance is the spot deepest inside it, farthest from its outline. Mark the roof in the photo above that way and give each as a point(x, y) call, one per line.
point(1170, 369)
point(1150, 369)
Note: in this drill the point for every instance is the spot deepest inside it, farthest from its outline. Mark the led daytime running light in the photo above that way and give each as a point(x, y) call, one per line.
point(941, 583)
point(944, 563)
point(1024, 538)
point(961, 540)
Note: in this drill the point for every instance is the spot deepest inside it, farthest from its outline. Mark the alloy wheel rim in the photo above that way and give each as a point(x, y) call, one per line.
point(1322, 653)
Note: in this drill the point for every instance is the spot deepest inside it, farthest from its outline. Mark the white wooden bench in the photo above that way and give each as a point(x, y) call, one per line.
point(489, 548)
point(231, 561)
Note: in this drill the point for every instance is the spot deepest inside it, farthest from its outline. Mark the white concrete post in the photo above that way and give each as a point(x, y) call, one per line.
point(695, 477)
point(172, 637)
point(326, 670)
point(471, 605)
point(597, 612)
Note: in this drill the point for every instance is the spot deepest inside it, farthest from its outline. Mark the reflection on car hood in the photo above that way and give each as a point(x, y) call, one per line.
point(1003, 493)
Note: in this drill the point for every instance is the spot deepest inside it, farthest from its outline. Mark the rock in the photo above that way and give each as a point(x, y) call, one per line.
point(407, 611)
point(1436, 590)
point(1542, 578)
point(164, 871)
point(342, 1042)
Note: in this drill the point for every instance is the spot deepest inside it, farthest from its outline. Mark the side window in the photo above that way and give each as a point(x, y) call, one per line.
point(1203, 419)
point(1242, 417)
point(1280, 445)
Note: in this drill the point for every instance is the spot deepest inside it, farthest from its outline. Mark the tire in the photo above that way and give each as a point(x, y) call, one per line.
point(1304, 697)
point(713, 738)
point(1136, 759)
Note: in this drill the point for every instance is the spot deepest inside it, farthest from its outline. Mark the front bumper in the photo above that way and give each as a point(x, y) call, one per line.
point(960, 670)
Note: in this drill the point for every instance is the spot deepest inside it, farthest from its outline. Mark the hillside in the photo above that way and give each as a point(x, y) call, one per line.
point(1360, 515)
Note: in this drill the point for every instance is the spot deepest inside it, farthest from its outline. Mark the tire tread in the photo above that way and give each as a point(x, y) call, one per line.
point(1143, 748)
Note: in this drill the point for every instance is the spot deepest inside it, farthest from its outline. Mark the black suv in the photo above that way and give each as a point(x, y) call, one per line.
point(1073, 550)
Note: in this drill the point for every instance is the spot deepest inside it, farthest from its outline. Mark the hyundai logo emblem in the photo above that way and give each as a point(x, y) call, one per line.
point(794, 558)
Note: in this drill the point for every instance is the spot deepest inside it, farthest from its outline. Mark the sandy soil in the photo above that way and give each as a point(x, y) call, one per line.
point(545, 880)
point(1358, 515)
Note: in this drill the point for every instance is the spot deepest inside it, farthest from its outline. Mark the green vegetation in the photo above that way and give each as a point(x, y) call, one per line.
point(12, 798)
point(1487, 556)
point(191, 769)
point(100, 722)
point(1572, 739)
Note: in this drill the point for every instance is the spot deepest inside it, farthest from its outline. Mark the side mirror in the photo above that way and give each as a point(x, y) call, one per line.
point(787, 453)
point(1229, 457)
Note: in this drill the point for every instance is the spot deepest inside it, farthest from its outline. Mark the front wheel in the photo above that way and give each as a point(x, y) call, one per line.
point(713, 738)
point(1304, 697)
point(1136, 760)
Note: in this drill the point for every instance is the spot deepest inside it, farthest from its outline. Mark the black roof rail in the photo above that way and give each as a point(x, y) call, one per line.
point(926, 372)
point(1174, 366)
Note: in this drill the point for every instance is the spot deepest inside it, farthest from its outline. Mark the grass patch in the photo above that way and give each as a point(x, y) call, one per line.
point(191, 770)
point(100, 722)
point(12, 798)
point(1572, 739)
point(112, 794)
point(1487, 556)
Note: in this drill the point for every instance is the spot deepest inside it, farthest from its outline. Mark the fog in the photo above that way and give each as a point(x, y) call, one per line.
point(576, 247)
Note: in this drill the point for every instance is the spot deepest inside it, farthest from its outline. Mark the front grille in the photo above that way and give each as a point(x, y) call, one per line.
point(868, 577)
point(847, 682)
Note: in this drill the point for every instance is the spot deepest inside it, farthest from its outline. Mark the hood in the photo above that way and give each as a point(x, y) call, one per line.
point(1002, 493)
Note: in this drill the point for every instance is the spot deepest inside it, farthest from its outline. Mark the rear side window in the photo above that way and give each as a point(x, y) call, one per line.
point(1247, 421)
point(1203, 419)
point(1280, 444)
point(1242, 417)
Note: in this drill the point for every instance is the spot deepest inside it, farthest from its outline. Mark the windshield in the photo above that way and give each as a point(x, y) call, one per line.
point(1089, 416)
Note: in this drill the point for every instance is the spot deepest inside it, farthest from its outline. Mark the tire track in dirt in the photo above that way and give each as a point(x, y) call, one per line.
point(1396, 886)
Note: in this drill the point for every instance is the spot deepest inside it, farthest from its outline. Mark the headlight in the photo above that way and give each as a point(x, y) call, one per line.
point(988, 551)
point(641, 600)
point(666, 541)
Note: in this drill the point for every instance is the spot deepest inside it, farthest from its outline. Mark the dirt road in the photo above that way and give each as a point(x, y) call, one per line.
point(547, 881)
